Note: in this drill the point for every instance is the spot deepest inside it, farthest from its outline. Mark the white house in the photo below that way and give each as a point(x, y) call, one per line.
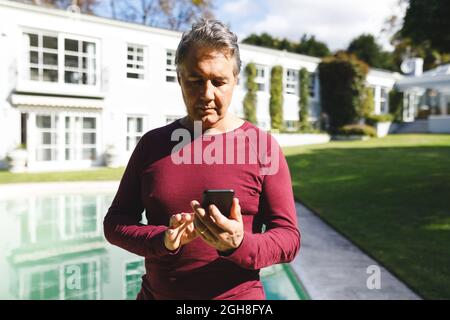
point(428, 92)
point(71, 84)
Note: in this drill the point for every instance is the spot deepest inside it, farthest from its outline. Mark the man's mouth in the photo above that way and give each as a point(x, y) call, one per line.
point(207, 108)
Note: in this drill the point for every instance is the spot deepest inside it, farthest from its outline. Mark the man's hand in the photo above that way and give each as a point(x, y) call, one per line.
point(217, 230)
point(181, 231)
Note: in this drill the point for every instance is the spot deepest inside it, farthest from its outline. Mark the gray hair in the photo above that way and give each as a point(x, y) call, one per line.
point(210, 33)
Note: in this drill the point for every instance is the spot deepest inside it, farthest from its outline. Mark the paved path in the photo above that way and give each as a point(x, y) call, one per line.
point(331, 267)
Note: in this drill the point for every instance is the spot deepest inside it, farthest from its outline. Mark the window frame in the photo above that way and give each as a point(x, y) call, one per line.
point(141, 71)
point(171, 69)
point(133, 135)
point(291, 82)
point(261, 80)
point(61, 52)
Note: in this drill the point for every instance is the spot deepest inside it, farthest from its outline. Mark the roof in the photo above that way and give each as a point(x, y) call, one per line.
point(438, 79)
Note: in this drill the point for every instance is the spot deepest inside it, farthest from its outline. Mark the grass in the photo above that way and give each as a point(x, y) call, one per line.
point(390, 196)
point(100, 174)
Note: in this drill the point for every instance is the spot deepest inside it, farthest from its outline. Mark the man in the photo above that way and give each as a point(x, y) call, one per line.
point(193, 252)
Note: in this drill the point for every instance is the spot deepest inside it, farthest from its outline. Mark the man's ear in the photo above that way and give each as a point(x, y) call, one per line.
point(178, 77)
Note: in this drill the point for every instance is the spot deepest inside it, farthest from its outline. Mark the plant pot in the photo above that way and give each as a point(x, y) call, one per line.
point(112, 157)
point(17, 160)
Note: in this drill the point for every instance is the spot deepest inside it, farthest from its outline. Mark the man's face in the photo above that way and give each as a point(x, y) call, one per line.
point(207, 82)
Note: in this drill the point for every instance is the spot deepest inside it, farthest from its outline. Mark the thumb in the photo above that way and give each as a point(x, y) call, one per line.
point(236, 210)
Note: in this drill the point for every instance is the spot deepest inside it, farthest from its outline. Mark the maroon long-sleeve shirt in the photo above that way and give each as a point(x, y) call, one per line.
point(156, 181)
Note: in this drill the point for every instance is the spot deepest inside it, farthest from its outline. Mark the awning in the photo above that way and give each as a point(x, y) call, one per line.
point(51, 101)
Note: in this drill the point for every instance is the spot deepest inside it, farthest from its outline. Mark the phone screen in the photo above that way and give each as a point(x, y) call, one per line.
point(221, 198)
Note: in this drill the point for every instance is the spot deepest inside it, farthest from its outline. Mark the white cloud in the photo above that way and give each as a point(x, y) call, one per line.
point(237, 7)
point(335, 22)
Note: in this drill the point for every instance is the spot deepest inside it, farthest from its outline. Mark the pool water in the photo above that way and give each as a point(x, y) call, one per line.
point(52, 247)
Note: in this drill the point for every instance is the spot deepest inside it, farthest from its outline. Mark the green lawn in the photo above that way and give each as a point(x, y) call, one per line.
point(86, 175)
point(390, 196)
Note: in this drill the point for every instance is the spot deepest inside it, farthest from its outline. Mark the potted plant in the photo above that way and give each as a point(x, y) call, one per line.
point(112, 156)
point(17, 159)
point(381, 122)
point(354, 132)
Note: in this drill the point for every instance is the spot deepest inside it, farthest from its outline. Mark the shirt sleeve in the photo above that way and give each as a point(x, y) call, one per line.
point(122, 225)
point(280, 242)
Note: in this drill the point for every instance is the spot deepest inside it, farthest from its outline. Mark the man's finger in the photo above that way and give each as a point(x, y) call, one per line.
point(207, 221)
point(236, 210)
point(220, 220)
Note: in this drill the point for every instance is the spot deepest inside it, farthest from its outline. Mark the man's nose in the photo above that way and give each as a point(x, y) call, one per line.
point(208, 91)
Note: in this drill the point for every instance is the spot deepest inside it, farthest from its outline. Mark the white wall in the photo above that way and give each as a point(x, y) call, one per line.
point(439, 124)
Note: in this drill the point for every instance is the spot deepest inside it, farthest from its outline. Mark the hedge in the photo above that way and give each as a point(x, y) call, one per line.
point(250, 99)
point(342, 78)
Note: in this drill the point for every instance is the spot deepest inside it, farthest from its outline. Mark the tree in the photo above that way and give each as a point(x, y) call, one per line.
point(250, 98)
point(170, 14)
point(396, 104)
point(428, 21)
point(368, 50)
point(342, 79)
point(311, 47)
point(263, 40)
point(367, 104)
point(404, 47)
point(304, 99)
point(86, 6)
point(276, 98)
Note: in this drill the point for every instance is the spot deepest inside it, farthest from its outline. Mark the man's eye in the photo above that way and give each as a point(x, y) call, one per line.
point(195, 81)
point(218, 83)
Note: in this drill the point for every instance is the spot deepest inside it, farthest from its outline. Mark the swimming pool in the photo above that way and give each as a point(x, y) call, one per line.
point(52, 247)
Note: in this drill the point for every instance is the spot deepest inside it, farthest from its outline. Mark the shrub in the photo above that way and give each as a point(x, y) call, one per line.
point(396, 104)
point(250, 98)
point(342, 79)
point(375, 118)
point(276, 98)
point(304, 99)
point(367, 104)
point(357, 129)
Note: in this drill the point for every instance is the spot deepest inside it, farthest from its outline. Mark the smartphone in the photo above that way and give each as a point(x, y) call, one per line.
point(221, 198)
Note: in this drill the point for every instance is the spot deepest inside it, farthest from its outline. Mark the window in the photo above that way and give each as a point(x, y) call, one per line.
point(291, 81)
point(43, 57)
point(78, 64)
point(80, 216)
point(135, 62)
point(171, 70)
point(133, 273)
point(261, 77)
point(291, 125)
point(384, 107)
point(46, 148)
point(80, 138)
point(170, 119)
point(89, 280)
point(312, 84)
point(89, 138)
point(41, 285)
point(135, 130)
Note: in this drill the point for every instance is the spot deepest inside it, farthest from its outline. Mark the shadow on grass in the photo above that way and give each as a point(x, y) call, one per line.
point(393, 202)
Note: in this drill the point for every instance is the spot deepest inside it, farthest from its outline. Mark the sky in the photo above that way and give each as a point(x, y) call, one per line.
point(335, 22)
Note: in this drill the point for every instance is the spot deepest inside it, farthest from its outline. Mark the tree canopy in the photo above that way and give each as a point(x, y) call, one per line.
point(428, 21)
point(307, 45)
